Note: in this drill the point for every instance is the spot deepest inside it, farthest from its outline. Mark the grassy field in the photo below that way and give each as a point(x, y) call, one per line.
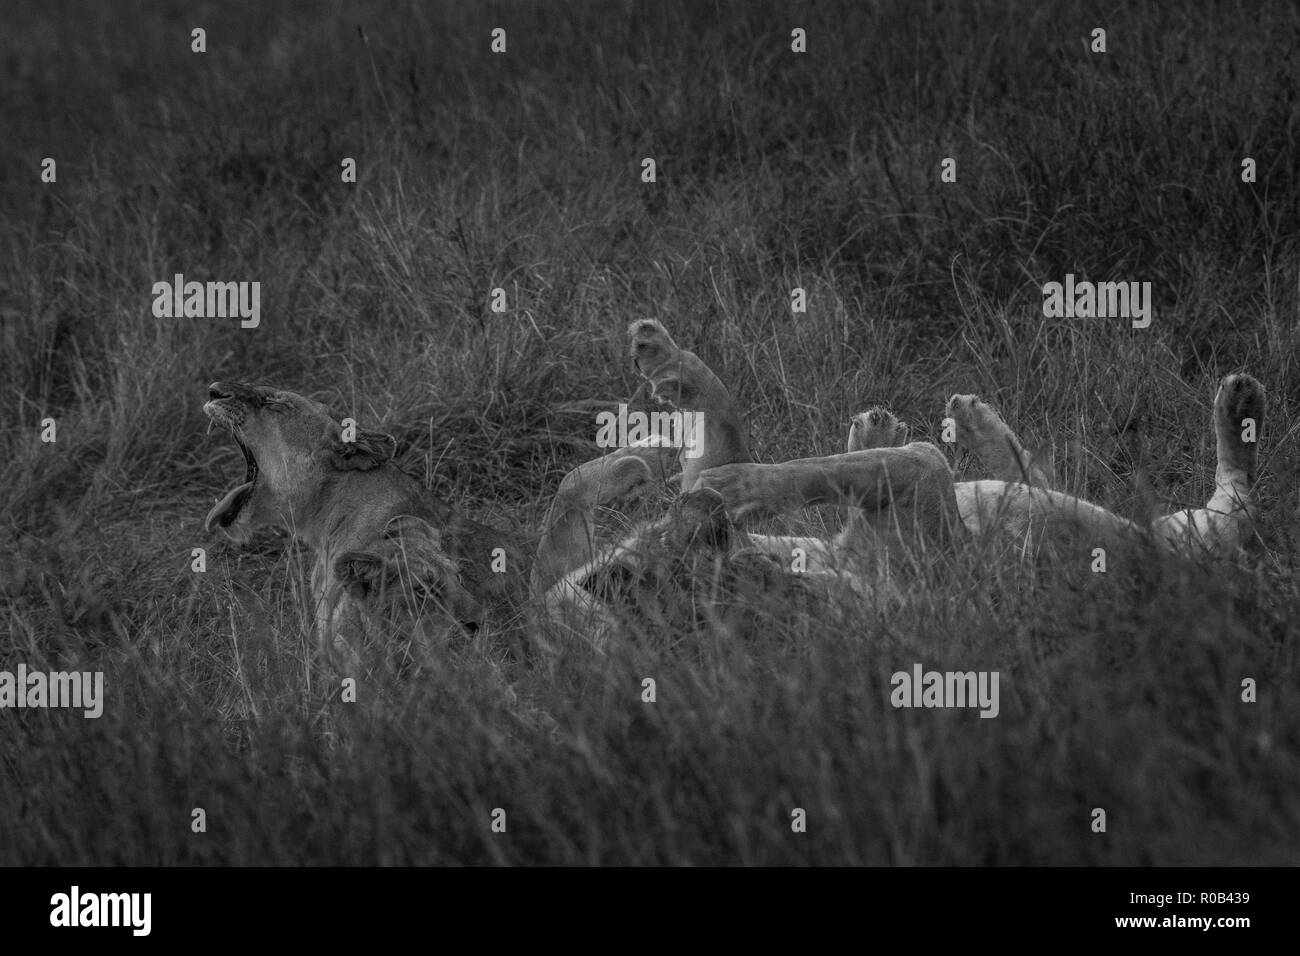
point(522, 171)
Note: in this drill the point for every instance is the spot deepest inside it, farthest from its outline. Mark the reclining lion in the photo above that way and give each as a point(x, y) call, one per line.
point(900, 494)
point(382, 544)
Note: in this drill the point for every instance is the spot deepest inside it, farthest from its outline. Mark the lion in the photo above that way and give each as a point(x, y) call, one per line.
point(1019, 500)
point(900, 494)
point(382, 544)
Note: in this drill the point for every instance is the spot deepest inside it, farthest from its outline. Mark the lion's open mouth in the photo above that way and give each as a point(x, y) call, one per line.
point(227, 510)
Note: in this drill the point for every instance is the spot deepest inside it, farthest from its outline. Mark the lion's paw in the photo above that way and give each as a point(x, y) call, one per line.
point(876, 428)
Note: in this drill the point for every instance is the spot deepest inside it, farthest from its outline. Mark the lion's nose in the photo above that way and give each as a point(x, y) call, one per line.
point(218, 391)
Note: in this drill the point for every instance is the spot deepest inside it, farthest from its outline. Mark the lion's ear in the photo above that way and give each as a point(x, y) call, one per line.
point(367, 450)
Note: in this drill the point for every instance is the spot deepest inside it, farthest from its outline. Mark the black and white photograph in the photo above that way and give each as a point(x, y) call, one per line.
point(675, 434)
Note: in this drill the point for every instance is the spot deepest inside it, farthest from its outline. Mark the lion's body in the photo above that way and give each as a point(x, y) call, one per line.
point(900, 497)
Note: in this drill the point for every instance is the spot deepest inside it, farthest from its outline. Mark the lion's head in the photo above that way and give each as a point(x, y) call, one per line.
point(291, 444)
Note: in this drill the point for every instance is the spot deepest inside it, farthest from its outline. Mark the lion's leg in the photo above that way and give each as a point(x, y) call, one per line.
point(337, 621)
point(710, 432)
point(864, 532)
point(717, 434)
point(874, 428)
point(346, 626)
point(1033, 516)
point(568, 535)
point(576, 609)
point(324, 600)
point(1227, 519)
point(913, 481)
point(982, 431)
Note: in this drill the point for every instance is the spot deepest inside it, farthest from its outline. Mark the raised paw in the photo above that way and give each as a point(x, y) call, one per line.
point(678, 378)
point(875, 428)
point(1238, 422)
point(980, 430)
